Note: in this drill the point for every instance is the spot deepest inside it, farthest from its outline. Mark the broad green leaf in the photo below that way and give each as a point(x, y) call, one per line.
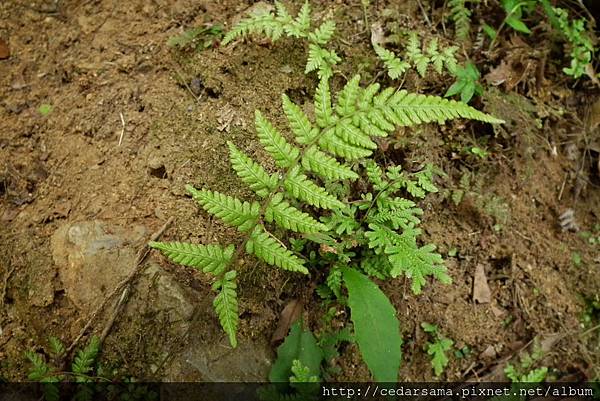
point(376, 327)
point(300, 344)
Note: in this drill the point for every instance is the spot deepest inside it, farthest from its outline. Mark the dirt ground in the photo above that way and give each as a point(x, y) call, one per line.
point(133, 120)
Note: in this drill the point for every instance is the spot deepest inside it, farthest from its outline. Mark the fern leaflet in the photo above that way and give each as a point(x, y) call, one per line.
point(251, 172)
point(226, 305)
point(291, 218)
point(265, 247)
point(461, 16)
point(212, 259)
point(283, 153)
point(233, 211)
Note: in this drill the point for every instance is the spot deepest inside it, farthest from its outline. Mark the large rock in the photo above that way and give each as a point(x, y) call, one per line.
point(92, 257)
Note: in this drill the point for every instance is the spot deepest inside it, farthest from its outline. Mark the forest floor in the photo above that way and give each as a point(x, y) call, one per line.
point(102, 125)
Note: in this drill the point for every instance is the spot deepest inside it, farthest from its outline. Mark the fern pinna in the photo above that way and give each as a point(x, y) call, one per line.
point(274, 26)
point(325, 148)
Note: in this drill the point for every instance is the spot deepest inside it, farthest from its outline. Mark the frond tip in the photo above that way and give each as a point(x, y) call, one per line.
point(226, 305)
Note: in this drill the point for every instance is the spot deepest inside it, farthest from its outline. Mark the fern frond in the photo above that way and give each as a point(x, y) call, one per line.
point(265, 247)
point(40, 368)
point(353, 135)
point(338, 147)
point(348, 96)
point(302, 21)
point(321, 60)
point(226, 305)
point(299, 122)
point(57, 347)
point(406, 257)
point(323, 110)
point(284, 153)
point(86, 357)
point(260, 23)
point(207, 258)
point(437, 58)
point(323, 33)
point(376, 265)
point(461, 16)
point(450, 59)
point(400, 217)
point(233, 211)
point(299, 186)
point(291, 218)
point(326, 166)
point(394, 65)
point(251, 172)
point(405, 109)
point(334, 281)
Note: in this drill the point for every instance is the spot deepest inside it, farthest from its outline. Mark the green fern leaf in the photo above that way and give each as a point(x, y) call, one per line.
point(338, 147)
point(282, 13)
point(233, 211)
point(299, 122)
point(299, 186)
point(323, 33)
point(437, 58)
point(321, 60)
point(421, 63)
point(376, 265)
point(262, 22)
point(395, 66)
point(265, 247)
point(323, 111)
point(438, 350)
point(226, 305)
point(291, 218)
point(57, 347)
point(416, 263)
point(207, 258)
point(326, 166)
point(353, 135)
point(86, 357)
point(284, 154)
point(348, 96)
point(450, 59)
point(302, 21)
point(334, 281)
point(40, 368)
point(251, 172)
point(461, 16)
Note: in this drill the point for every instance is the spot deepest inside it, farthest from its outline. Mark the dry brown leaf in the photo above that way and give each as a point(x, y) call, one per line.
point(377, 35)
point(4, 50)
point(481, 290)
point(289, 315)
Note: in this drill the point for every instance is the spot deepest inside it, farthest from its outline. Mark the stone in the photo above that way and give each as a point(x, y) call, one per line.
point(92, 257)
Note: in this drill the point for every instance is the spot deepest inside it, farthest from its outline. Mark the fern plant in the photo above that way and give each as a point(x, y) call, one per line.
point(438, 348)
point(326, 150)
point(461, 16)
point(50, 375)
point(275, 25)
point(420, 56)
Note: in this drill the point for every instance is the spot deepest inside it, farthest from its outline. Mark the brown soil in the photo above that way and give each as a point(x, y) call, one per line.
point(128, 129)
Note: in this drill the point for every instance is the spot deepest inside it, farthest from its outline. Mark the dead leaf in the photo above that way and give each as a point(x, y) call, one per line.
point(377, 35)
point(289, 315)
point(481, 290)
point(489, 353)
point(4, 50)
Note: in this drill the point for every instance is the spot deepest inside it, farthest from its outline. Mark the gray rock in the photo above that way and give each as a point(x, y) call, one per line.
point(92, 257)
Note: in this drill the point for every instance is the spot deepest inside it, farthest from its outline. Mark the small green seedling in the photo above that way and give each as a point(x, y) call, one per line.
point(45, 109)
point(199, 38)
point(438, 348)
point(467, 83)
